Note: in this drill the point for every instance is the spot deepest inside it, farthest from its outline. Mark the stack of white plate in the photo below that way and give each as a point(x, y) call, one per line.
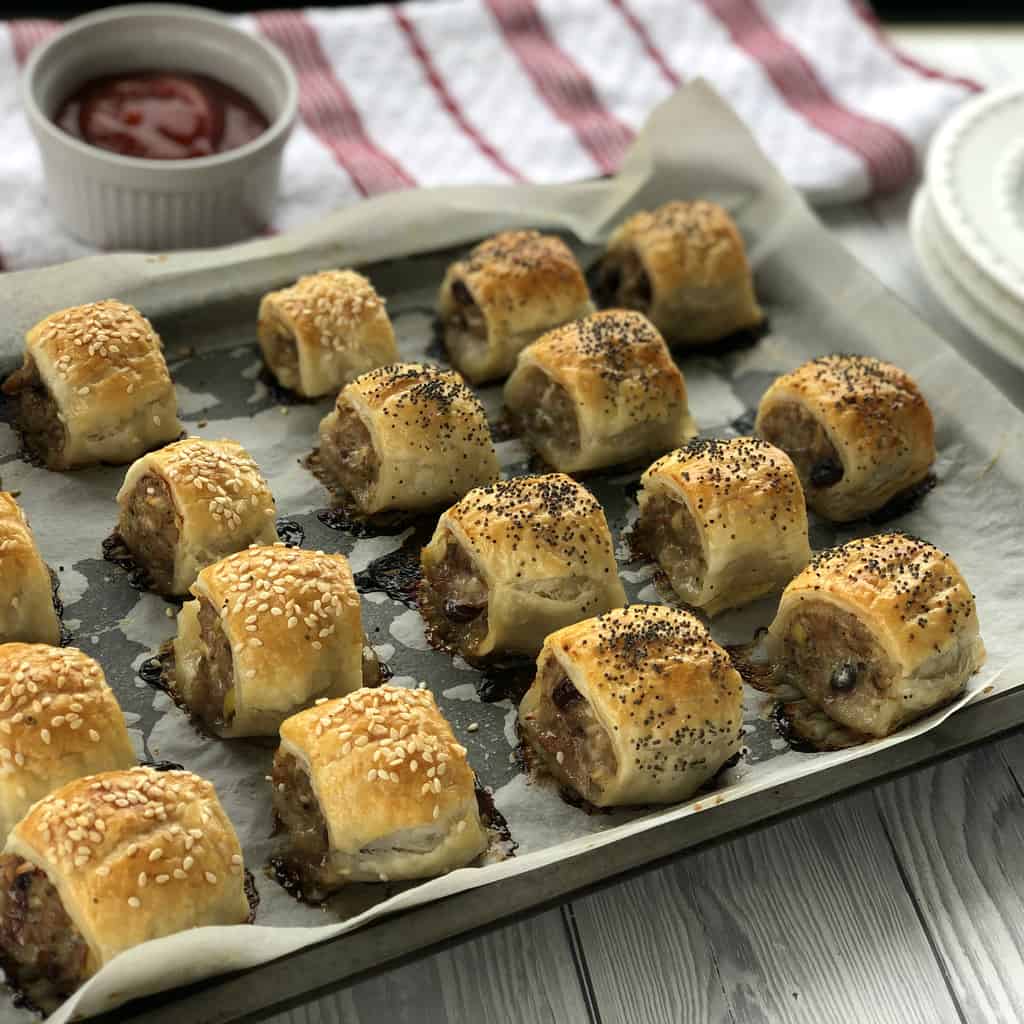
point(967, 222)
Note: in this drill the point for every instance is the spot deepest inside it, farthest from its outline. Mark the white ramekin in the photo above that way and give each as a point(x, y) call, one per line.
point(123, 202)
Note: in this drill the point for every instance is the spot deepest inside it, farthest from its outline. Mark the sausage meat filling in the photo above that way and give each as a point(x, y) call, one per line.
point(666, 530)
point(455, 599)
point(546, 413)
point(37, 414)
point(41, 948)
point(792, 428)
point(622, 282)
point(565, 731)
point(298, 810)
point(348, 455)
point(282, 352)
point(465, 327)
point(149, 527)
point(212, 690)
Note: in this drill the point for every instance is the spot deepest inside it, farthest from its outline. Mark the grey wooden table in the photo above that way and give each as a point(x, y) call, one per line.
point(904, 902)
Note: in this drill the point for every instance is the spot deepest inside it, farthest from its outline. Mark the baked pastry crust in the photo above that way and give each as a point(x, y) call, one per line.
point(858, 429)
point(220, 503)
point(292, 621)
point(135, 855)
point(26, 589)
point(878, 632)
point(414, 433)
point(745, 531)
point(599, 391)
point(538, 549)
point(325, 330)
point(96, 373)
point(684, 264)
point(636, 706)
point(509, 291)
point(392, 784)
point(59, 720)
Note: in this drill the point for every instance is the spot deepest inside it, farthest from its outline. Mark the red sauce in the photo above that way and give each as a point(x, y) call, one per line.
point(161, 115)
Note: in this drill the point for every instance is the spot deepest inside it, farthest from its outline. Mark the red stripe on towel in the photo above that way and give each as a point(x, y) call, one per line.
point(648, 44)
point(562, 83)
point(889, 157)
point(327, 108)
point(28, 33)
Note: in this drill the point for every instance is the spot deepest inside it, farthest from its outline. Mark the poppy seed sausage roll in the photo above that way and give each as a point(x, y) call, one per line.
point(684, 265)
point(858, 430)
point(725, 520)
point(108, 862)
point(271, 629)
point(636, 706)
point(94, 387)
point(406, 436)
point(508, 292)
point(511, 562)
point(324, 331)
point(878, 632)
point(59, 720)
point(374, 787)
point(599, 391)
point(26, 588)
point(189, 504)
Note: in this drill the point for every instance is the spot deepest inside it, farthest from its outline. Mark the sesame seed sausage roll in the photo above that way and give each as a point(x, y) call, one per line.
point(94, 387)
point(189, 504)
point(324, 331)
point(725, 520)
point(271, 629)
point(512, 562)
point(859, 431)
point(511, 289)
point(406, 436)
point(878, 632)
point(685, 266)
point(26, 587)
point(108, 862)
point(637, 706)
point(599, 391)
point(59, 720)
point(374, 787)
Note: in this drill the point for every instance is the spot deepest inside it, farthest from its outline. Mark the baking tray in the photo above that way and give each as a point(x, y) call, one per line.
point(818, 299)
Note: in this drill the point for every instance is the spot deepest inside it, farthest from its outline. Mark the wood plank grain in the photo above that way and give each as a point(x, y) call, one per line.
point(524, 973)
point(648, 953)
point(957, 830)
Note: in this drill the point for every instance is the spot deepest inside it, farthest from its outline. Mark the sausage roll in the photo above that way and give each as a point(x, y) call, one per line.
point(511, 289)
point(877, 632)
point(271, 629)
point(59, 720)
point(599, 391)
point(859, 431)
point(406, 436)
point(189, 504)
point(110, 861)
point(512, 562)
point(94, 387)
point(324, 331)
point(26, 587)
point(637, 706)
point(685, 266)
point(725, 520)
point(374, 787)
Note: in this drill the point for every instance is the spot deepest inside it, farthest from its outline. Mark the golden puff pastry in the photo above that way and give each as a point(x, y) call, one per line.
point(599, 391)
point(324, 331)
point(271, 629)
point(878, 632)
point(187, 505)
point(685, 266)
point(858, 430)
point(94, 387)
point(406, 436)
point(725, 520)
point(59, 720)
point(110, 861)
point(26, 587)
point(374, 787)
point(636, 706)
point(508, 292)
point(512, 562)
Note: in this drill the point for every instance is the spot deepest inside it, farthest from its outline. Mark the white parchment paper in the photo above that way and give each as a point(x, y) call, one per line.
point(818, 299)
